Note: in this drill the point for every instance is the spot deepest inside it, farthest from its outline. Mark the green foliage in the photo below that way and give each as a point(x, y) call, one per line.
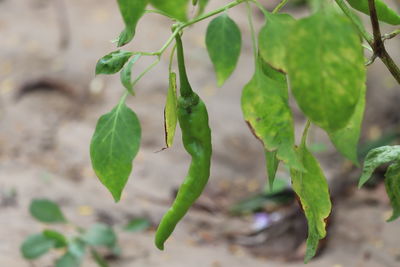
point(36, 245)
point(113, 62)
point(59, 239)
point(326, 68)
point(312, 189)
point(67, 260)
point(266, 109)
point(346, 139)
point(272, 163)
point(392, 184)
point(114, 145)
point(46, 211)
point(377, 157)
point(202, 6)
point(75, 247)
point(126, 74)
point(177, 9)
point(138, 224)
point(100, 235)
point(320, 56)
point(131, 12)
point(101, 262)
point(224, 42)
point(273, 37)
point(385, 13)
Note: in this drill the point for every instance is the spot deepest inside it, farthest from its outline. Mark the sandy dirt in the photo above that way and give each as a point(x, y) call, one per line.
point(45, 136)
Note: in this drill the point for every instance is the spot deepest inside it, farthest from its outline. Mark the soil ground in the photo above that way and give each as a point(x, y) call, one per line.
point(45, 136)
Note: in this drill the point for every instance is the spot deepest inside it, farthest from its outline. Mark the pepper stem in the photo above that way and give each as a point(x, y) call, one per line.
point(185, 88)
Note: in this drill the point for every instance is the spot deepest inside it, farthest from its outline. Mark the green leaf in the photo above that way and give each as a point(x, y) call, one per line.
point(99, 259)
point(392, 184)
point(138, 224)
point(174, 8)
point(100, 235)
point(170, 111)
point(312, 190)
point(113, 62)
point(35, 246)
point(326, 68)
point(131, 11)
point(384, 12)
point(46, 211)
point(126, 74)
point(60, 240)
point(279, 186)
point(346, 139)
point(272, 163)
point(114, 145)
point(377, 157)
point(202, 6)
point(224, 42)
point(272, 39)
point(266, 109)
point(68, 260)
point(77, 248)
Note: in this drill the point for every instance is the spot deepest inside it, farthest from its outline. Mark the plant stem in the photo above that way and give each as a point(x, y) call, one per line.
point(150, 67)
point(177, 29)
point(260, 6)
point(181, 26)
point(374, 41)
point(253, 33)
point(305, 133)
point(391, 35)
point(378, 46)
point(171, 58)
point(347, 11)
point(279, 6)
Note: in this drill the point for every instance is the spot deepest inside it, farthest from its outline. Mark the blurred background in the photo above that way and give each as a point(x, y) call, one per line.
point(50, 101)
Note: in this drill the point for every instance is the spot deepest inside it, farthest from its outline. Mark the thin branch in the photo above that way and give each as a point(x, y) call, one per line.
point(349, 13)
point(390, 35)
point(279, 6)
point(253, 33)
point(378, 46)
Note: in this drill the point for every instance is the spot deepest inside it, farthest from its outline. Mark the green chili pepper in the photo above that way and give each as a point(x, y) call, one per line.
point(196, 137)
point(384, 12)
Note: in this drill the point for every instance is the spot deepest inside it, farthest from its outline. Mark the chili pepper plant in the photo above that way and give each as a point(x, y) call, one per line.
point(322, 58)
point(73, 246)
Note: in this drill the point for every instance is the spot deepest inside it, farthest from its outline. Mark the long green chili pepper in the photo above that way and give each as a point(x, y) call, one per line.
point(196, 137)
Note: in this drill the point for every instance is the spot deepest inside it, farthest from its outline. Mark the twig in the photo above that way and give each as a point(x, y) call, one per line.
point(390, 35)
point(378, 46)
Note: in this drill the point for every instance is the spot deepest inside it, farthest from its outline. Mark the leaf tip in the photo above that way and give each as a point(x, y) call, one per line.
point(116, 195)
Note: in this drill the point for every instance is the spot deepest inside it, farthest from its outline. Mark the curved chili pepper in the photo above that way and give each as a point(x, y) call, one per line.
point(196, 137)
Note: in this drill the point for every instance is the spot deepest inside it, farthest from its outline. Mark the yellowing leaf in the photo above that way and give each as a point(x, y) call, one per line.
point(266, 109)
point(312, 190)
point(326, 69)
point(170, 111)
point(272, 39)
point(346, 139)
